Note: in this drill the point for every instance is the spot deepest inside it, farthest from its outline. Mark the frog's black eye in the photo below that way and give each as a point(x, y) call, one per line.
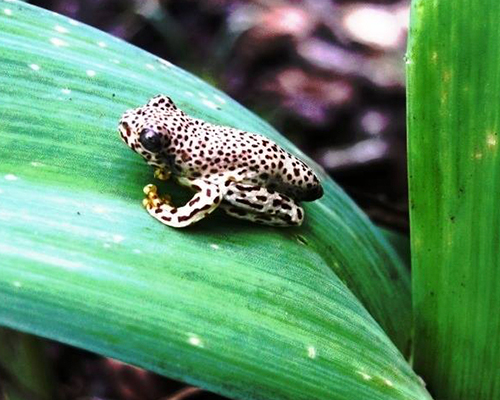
point(151, 140)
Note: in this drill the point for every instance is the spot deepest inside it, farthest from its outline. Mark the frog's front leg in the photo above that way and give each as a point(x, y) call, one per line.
point(206, 200)
point(258, 204)
point(162, 174)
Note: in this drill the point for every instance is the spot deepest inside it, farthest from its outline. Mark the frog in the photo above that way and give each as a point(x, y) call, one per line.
point(245, 174)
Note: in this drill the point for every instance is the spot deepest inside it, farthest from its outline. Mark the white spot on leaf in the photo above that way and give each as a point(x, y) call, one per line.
point(214, 246)
point(91, 73)
point(58, 42)
point(195, 340)
point(34, 67)
point(210, 104)
point(150, 67)
point(388, 382)
point(311, 352)
point(165, 62)
point(7, 11)
point(491, 140)
point(219, 99)
point(364, 375)
point(66, 91)
point(36, 164)
point(73, 22)
point(17, 284)
point(11, 177)
point(118, 238)
point(60, 29)
point(102, 44)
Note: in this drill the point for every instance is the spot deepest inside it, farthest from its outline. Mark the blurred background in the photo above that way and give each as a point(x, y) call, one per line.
point(328, 74)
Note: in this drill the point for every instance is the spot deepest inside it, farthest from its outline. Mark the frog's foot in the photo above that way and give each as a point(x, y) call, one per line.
point(153, 199)
point(258, 204)
point(202, 203)
point(162, 174)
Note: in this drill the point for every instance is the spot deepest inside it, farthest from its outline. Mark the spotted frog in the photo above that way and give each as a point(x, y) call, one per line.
point(246, 174)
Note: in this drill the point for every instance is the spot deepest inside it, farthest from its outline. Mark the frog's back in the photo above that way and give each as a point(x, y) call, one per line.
point(263, 161)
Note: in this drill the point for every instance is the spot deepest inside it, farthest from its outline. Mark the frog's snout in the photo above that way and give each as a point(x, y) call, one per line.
point(313, 194)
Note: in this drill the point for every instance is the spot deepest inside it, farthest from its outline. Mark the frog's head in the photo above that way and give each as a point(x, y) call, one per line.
point(145, 129)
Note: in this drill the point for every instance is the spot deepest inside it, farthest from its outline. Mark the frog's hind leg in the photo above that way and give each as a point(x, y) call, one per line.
point(206, 200)
point(258, 204)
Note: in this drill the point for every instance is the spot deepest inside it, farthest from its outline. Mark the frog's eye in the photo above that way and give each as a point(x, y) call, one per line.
point(151, 140)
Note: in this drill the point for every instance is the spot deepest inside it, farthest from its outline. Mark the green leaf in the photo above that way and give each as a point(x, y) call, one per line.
point(453, 103)
point(248, 311)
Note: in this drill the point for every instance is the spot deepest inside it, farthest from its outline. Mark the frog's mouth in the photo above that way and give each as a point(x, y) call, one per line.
point(157, 163)
point(163, 161)
point(124, 130)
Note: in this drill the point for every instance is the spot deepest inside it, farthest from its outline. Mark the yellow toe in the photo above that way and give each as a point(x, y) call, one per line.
point(148, 189)
point(162, 174)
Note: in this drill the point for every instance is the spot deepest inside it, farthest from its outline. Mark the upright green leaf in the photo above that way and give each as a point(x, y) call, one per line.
point(454, 113)
point(244, 310)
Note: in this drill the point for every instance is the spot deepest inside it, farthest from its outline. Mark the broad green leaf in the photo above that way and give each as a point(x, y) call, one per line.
point(454, 114)
point(244, 310)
